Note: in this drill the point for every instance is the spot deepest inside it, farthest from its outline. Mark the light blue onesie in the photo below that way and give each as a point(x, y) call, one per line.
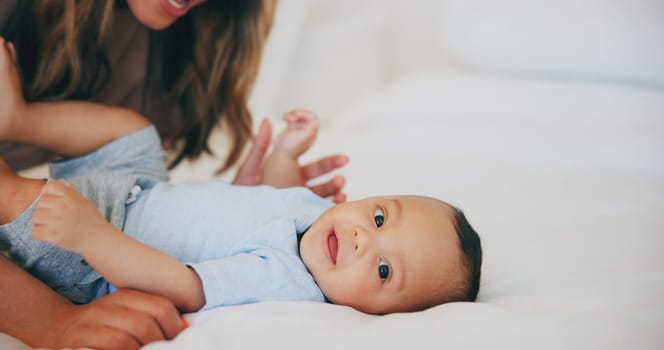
point(241, 240)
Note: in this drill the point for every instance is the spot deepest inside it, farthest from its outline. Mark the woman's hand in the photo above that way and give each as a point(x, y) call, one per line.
point(125, 319)
point(251, 171)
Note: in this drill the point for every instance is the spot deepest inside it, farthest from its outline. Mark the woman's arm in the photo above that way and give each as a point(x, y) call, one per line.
point(65, 218)
point(39, 317)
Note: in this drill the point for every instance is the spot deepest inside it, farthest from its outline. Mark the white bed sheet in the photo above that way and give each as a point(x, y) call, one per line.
point(564, 181)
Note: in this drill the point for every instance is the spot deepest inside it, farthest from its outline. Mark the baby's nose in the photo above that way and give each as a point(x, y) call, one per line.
point(362, 241)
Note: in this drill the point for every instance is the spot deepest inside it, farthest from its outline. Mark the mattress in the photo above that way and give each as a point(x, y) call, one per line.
point(564, 180)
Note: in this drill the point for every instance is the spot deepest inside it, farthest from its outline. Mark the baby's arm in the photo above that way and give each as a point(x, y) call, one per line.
point(65, 218)
point(69, 128)
point(281, 166)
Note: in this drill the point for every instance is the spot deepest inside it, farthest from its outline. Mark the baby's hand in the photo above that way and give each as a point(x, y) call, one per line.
point(299, 134)
point(65, 218)
point(11, 95)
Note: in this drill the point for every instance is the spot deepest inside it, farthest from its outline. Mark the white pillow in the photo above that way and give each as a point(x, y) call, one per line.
point(617, 40)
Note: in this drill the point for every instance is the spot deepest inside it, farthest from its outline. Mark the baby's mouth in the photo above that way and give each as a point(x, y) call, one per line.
point(333, 247)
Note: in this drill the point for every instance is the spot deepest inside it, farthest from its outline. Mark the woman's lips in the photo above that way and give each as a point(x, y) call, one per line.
point(175, 8)
point(332, 247)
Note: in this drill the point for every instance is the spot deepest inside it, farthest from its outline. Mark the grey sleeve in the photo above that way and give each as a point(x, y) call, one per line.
point(106, 176)
point(139, 154)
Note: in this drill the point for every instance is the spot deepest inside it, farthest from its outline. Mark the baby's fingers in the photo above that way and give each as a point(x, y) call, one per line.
point(48, 200)
point(300, 118)
point(56, 188)
point(40, 224)
point(40, 233)
point(48, 210)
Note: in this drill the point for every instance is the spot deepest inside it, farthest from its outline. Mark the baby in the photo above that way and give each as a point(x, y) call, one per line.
point(115, 222)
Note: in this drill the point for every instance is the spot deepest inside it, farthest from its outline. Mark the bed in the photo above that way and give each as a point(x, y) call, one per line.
point(555, 153)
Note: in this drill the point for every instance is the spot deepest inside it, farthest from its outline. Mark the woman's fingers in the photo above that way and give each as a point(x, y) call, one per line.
point(331, 188)
point(251, 171)
point(157, 318)
point(126, 319)
point(97, 336)
point(142, 326)
point(339, 198)
point(323, 166)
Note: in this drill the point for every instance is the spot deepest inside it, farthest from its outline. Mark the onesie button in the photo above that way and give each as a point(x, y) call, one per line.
point(133, 194)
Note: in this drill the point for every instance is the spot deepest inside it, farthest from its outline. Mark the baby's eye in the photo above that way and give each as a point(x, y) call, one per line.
point(383, 270)
point(379, 217)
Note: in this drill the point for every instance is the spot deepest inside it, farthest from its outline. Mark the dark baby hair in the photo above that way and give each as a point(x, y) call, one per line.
point(472, 255)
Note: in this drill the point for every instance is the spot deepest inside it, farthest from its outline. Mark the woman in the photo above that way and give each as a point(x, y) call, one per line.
point(186, 65)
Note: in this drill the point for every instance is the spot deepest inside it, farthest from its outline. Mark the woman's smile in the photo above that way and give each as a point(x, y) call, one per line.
point(175, 8)
point(180, 4)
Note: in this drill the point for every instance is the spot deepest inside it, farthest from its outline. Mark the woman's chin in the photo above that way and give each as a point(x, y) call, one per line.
point(155, 23)
point(158, 26)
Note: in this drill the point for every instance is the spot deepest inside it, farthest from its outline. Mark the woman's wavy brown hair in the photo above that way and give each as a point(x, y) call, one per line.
point(213, 56)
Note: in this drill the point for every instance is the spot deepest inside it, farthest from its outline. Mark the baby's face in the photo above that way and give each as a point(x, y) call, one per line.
point(384, 254)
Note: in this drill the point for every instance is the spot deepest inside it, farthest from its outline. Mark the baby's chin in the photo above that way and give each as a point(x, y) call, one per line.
point(307, 252)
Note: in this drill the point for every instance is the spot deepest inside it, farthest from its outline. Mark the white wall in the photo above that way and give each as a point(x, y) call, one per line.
point(327, 55)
